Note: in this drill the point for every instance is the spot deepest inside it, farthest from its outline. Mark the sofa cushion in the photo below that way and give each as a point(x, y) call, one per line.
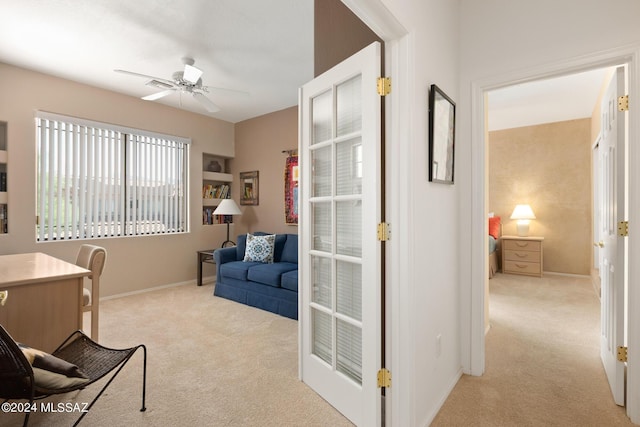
point(290, 250)
point(260, 248)
point(289, 280)
point(236, 269)
point(242, 244)
point(269, 274)
point(279, 247)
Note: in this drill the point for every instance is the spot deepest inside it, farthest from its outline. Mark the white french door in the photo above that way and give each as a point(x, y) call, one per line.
point(340, 264)
point(612, 246)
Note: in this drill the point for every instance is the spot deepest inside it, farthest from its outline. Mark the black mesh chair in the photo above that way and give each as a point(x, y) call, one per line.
point(93, 359)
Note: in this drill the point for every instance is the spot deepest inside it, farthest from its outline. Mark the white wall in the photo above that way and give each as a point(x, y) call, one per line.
point(133, 263)
point(503, 41)
point(428, 302)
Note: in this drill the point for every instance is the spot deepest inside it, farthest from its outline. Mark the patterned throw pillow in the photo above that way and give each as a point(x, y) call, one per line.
point(260, 248)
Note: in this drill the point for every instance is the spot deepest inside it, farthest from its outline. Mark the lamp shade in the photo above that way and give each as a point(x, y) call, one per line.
point(523, 212)
point(227, 207)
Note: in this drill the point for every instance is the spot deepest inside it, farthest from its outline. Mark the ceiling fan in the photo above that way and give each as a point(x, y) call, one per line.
point(187, 81)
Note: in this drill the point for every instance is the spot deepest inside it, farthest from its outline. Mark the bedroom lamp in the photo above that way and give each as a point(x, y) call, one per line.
point(227, 207)
point(523, 214)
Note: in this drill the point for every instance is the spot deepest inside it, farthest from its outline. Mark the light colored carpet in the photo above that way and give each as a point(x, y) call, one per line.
point(211, 362)
point(542, 360)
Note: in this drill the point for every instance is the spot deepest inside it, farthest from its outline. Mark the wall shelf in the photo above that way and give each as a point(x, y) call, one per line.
point(214, 182)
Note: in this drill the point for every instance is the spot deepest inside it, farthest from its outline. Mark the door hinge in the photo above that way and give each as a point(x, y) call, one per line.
point(384, 378)
point(384, 232)
point(623, 103)
point(622, 354)
point(623, 228)
point(384, 86)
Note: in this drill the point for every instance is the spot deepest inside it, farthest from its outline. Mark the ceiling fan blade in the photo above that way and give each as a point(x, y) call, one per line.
point(206, 102)
point(131, 73)
point(158, 95)
point(226, 91)
point(191, 73)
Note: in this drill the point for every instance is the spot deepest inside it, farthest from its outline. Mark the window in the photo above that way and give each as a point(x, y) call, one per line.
point(98, 180)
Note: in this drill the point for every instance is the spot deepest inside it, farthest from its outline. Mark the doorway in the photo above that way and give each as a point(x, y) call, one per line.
point(539, 154)
point(588, 257)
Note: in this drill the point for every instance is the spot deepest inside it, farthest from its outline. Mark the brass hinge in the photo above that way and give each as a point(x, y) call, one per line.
point(623, 228)
point(623, 103)
point(622, 354)
point(384, 232)
point(384, 378)
point(384, 86)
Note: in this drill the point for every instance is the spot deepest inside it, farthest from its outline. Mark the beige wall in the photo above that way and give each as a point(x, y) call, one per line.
point(549, 167)
point(259, 145)
point(133, 263)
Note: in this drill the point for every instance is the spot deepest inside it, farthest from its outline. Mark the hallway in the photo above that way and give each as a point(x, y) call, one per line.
point(543, 363)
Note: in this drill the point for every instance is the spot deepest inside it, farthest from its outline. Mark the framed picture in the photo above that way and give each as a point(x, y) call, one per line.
point(291, 191)
point(442, 125)
point(249, 188)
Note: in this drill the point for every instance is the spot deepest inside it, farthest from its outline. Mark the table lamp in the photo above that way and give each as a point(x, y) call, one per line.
point(227, 207)
point(523, 214)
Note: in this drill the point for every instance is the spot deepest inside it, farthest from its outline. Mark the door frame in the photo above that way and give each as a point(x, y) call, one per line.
point(473, 321)
point(398, 326)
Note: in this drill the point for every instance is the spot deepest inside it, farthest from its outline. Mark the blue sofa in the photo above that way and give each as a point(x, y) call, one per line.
point(272, 287)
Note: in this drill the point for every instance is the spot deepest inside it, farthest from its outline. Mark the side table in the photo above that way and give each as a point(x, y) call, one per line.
point(204, 256)
point(522, 255)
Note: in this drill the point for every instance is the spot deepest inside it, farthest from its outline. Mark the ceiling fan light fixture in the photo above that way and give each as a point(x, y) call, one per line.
point(191, 73)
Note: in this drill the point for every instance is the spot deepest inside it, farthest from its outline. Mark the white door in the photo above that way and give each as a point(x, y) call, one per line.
point(340, 282)
point(612, 252)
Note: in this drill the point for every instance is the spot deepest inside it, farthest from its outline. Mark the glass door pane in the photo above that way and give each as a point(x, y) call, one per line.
point(336, 224)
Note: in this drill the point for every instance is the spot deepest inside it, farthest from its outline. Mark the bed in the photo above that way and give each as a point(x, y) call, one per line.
point(494, 243)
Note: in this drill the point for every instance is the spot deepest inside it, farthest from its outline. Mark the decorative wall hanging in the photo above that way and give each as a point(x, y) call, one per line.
point(249, 188)
point(442, 124)
point(291, 190)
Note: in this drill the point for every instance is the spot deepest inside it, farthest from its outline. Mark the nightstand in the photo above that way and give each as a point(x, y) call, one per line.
point(522, 255)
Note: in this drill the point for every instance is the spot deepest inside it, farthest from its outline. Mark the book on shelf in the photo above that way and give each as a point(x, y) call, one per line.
point(208, 218)
point(3, 219)
point(3, 181)
point(211, 191)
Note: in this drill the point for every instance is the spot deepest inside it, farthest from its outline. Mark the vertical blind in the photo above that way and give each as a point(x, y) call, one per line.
point(97, 180)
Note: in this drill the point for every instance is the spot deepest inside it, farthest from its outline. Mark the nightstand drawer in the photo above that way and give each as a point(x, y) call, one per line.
point(522, 245)
point(521, 267)
point(528, 256)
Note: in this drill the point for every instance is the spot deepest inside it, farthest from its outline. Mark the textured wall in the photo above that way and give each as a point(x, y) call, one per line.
point(549, 167)
point(259, 145)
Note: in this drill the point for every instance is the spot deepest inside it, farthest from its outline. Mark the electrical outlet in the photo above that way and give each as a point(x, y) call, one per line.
point(439, 345)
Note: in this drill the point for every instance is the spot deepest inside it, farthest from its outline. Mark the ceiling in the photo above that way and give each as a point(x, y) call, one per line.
point(263, 48)
point(545, 101)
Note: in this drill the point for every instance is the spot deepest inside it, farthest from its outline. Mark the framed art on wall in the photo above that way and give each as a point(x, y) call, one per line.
point(442, 124)
point(249, 188)
point(291, 191)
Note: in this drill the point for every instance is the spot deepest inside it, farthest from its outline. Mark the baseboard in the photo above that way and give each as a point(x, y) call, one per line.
point(444, 397)
point(205, 281)
point(554, 273)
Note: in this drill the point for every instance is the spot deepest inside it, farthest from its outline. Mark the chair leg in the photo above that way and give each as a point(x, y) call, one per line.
point(144, 378)
point(94, 321)
point(124, 362)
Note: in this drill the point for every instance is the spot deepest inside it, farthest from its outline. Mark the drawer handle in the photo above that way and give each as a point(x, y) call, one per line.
point(522, 244)
point(519, 255)
point(521, 266)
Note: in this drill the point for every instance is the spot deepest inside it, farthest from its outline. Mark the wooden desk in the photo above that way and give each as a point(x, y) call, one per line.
point(44, 303)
